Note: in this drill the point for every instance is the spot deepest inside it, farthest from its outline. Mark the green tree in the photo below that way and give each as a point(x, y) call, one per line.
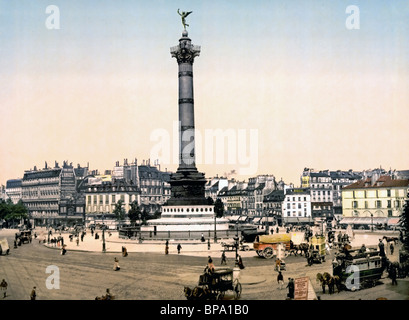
point(404, 222)
point(13, 212)
point(219, 208)
point(134, 213)
point(119, 210)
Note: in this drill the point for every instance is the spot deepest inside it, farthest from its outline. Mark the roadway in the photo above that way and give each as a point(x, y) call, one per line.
point(86, 272)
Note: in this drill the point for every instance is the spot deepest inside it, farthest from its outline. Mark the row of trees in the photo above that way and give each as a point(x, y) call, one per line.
point(12, 213)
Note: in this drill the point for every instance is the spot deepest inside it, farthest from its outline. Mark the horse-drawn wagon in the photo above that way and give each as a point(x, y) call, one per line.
point(25, 236)
point(267, 245)
point(214, 285)
point(317, 251)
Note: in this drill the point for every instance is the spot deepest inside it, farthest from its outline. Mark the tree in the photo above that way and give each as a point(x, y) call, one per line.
point(13, 212)
point(119, 210)
point(404, 222)
point(134, 213)
point(219, 208)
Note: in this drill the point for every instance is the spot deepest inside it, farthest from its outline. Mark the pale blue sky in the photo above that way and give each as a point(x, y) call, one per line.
point(321, 95)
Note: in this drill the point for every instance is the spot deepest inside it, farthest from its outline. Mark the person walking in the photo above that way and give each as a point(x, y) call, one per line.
point(291, 288)
point(210, 265)
point(391, 248)
point(33, 294)
point(167, 247)
point(223, 258)
point(3, 286)
point(179, 247)
point(116, 265)
point(392, 275)
point(240, 263)
point(381, 246)
point(280, 280)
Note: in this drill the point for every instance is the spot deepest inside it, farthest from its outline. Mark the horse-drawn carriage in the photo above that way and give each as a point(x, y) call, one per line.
point(316, 253)
point(213, 285)
point(25, 236)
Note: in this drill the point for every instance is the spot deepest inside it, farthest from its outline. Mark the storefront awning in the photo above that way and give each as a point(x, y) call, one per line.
point(393, 221)
point(364, 220)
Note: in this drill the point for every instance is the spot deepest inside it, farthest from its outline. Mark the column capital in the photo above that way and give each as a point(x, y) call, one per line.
point(185, 52)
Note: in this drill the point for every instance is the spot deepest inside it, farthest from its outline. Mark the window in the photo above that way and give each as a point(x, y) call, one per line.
point(389, 203)
point(397, 203)
point(389, 213)
point(354, 204)
point(378, 203)
point(366, 204)
point(388, 192)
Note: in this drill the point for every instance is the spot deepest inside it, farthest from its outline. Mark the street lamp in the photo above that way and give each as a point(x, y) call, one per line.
point(236, 240)
point(372, 222)
point(103, 234)
point(215, 235)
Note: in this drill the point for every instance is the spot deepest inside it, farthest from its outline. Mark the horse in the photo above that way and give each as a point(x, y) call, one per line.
point(334, 281)
point(331, 281)
point(295, 248)
point(390, 239)
point(197, 293)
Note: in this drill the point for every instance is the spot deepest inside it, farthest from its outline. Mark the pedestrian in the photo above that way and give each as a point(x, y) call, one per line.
point(392, 275)
point(179, 247)
point(167, 247)
point(381, 248)
point(116, 265)
point(277, 230)
point(108, 295)
point(392, 248)
point(210, 265)
point(291, 288)
point(33, 294)
point(240, 262)
point(280, 280)
point(208, 244)
point(82, 236)
point(223, 258)
point(63, 250)
point(278, 265)
point(3, 286)
point(78, 241)
point(363, 249)
point(202, 238)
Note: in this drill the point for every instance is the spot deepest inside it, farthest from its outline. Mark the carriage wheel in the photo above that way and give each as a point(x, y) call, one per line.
point(259, 253)
point(268, 253)
point(237, 290)
point(220, 295)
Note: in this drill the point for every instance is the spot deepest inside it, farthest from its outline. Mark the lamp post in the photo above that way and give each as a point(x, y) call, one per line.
point(372, 222)
point(215, 235)
point(236, 239)
point(103, 234)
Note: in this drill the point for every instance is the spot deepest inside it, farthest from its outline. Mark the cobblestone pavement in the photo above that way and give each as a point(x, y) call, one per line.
point(85, 272)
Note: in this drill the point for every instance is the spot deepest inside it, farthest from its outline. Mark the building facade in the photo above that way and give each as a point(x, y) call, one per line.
point(51, 194)
point(13, 190)
point(296, 207)
point(376, 201)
